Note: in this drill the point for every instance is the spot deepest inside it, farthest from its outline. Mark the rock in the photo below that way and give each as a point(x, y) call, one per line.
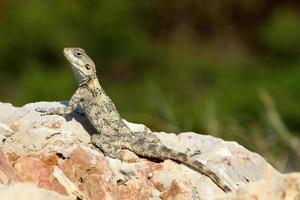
point(25, 191)
point(54, 153)
point(7, 173)
point(37, 171)
point(277, 188)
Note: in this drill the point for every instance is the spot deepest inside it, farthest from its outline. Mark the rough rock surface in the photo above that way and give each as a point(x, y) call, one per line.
point(26, 191)
point(54, 153)
point(279, 187)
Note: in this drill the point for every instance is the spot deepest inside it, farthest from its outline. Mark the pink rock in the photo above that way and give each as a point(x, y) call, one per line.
point(7, 172)
point(34, 170)
point(92, 174)
point(26, 191)
point(88, 172)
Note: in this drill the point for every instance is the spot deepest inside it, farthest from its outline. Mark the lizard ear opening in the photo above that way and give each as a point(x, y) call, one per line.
point(87, 66)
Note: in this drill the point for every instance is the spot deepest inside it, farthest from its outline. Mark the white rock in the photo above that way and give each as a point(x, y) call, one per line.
point(276, 188)
point(26, 132)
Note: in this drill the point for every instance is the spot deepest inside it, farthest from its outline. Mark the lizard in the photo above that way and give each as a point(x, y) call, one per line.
point(113, 134)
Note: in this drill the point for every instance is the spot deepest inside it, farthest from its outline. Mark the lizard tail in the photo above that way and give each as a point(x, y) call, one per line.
point(162, 152)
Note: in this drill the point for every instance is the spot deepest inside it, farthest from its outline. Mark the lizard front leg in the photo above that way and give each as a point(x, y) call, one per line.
point(75, 99)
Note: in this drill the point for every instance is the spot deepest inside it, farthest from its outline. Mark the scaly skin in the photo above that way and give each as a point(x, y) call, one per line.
point(148, 145)
point(113, 134)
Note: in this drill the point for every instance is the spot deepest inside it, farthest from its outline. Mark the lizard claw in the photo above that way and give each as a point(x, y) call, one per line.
point(196, 152)
point(192, 154)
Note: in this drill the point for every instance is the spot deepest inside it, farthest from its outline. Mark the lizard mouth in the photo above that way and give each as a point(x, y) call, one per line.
point(66, 52)
point(69, 56)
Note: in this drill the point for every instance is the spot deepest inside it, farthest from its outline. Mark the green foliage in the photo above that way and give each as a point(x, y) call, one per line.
point(281, 33)
point(35, 78)
point(175, 66)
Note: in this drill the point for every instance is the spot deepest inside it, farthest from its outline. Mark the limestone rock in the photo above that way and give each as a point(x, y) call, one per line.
point(277, 188)
point(26, 191)
point(54, 153)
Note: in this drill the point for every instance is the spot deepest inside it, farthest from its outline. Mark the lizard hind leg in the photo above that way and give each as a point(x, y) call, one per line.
point(149, 137)
point(106, 145)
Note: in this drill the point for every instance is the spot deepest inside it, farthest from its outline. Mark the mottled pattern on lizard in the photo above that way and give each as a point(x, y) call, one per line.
point(148, 145)
point(113, 134)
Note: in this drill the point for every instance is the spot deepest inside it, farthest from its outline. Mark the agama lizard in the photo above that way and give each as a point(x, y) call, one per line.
point(113, 134)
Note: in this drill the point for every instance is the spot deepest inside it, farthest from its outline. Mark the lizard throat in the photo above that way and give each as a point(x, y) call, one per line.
point(86, 80)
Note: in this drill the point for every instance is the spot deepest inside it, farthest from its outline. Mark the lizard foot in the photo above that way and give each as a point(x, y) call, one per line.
point(43, 111)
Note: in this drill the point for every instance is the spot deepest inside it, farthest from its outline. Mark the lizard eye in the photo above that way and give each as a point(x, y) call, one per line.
point(78, 53)
point(87, 66)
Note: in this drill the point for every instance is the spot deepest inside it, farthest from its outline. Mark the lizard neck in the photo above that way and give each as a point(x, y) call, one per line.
point(89, 81)
point(93, 83)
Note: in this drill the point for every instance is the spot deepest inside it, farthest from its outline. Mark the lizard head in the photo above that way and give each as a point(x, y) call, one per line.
point(82, 65)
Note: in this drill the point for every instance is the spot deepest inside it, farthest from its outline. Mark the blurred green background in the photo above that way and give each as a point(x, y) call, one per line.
point(225, 68)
